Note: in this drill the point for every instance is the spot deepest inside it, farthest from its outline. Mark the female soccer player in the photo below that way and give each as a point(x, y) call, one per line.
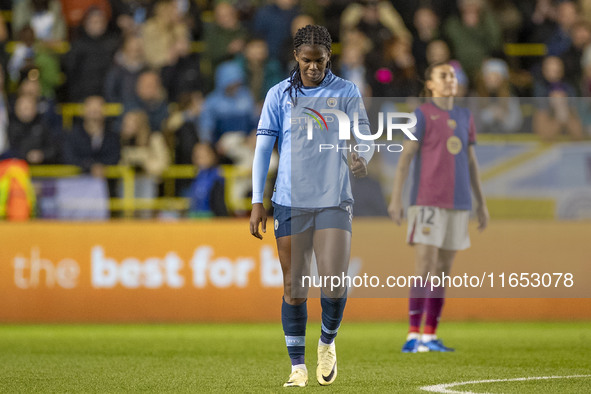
point(444, 170)
point(312, 197)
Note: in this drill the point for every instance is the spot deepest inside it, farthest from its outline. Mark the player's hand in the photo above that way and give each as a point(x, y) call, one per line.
point(483, 217)
point(395, 211)
point(358, 165)
point(258, 215)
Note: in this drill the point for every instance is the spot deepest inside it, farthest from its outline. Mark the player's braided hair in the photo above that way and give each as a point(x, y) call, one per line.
point(308, 35)
point(428, 74)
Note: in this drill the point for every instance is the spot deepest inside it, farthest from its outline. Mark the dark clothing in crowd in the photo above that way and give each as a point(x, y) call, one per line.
point(34, 135)
point(82, 152)
point(87, 65)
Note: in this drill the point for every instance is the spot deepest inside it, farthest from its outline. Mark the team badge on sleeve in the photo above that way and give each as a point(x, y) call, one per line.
point(331, 102)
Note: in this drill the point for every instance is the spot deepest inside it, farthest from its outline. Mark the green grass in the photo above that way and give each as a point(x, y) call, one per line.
point(252, 358)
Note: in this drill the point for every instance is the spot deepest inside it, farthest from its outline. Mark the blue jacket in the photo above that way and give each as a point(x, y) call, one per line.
point(221, 112)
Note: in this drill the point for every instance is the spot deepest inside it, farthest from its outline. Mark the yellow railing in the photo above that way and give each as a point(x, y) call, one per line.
point(69, 111)
point(129, 204)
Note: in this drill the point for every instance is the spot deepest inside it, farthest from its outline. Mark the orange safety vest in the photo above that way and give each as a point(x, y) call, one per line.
point(17, 196)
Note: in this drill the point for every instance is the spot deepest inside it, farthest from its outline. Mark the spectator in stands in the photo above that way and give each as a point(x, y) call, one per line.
point(75, 13)
point(91, 145)
point(537, 20)
point(182, 133)
point(584, 102)
point(129, 15)
point(377, 19)
point(182, 127)
point(225, 37)
point(161, 32)
point(557, 116)
point(566, 17)
point(586, 72)
point(30, 84)
point(396, 73)
point(145, 151)
point(183, 73)
point(437, 52)
point(261, 71)
point(207, 192)
point(190, 12)
point(552, 79)
point(498, 110)
point(44, 16)
point(287, 60)
point(555, 113)
point(4, 146)
point(29, 138)
point(352, 67)
point(128, 64)
point(509, 18)
point(90, 57)
point(474, 35)
point(29, 54)
point(580, 35)
point(272, 22)
point(426, 30)
point(151, 98)
point(229, 108)
point(3, 39)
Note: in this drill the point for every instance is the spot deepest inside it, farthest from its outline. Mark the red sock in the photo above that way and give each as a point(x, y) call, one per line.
point(433, 313)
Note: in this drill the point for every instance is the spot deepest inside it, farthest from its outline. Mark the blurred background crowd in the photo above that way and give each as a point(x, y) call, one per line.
point(149, 84)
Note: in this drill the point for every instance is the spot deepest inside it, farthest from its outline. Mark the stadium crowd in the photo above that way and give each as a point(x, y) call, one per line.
point(191, 75)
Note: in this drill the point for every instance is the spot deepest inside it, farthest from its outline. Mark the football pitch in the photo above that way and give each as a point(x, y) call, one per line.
point(252, 358)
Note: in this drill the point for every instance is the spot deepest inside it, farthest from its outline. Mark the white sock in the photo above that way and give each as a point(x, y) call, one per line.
point(429, 337)
point(413, 335)
point(299, 366)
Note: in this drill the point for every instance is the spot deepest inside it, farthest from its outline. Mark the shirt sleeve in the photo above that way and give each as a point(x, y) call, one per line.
point(419, 130)
point(270, 121)
point(260, 165)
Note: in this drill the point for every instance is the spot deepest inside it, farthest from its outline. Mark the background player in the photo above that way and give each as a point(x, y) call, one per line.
point(444, 172)
point(312, 198)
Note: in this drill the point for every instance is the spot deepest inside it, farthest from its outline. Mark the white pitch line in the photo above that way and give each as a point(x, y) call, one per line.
point(444, 388)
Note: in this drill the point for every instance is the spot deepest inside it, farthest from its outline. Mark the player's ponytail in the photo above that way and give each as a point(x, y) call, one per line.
point(308, 35)
point(428, 75)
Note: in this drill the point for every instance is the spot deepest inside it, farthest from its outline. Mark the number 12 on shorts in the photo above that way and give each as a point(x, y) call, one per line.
point(427, 215)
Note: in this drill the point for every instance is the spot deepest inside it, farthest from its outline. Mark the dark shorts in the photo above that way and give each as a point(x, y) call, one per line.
point(288, 220)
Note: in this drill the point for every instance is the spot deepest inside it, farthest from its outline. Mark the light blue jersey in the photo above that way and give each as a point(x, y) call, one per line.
point(313, 170)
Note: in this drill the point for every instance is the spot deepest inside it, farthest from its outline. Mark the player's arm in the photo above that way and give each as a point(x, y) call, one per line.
point(410, 149)
point(481, 209)
point(359, 160)
point(260, 167)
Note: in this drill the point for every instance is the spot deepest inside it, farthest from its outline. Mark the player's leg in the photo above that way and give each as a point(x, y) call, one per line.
point(332, 247)
point(456, 238)
point(425, 260)
point(434, 303)
point(295, 252)
point(424, 232)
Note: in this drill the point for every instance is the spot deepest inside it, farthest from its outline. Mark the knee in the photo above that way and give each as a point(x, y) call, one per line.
point(293, 301)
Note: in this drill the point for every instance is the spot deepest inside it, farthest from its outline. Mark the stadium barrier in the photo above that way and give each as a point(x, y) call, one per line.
point(129, 204)
point(214, 270)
